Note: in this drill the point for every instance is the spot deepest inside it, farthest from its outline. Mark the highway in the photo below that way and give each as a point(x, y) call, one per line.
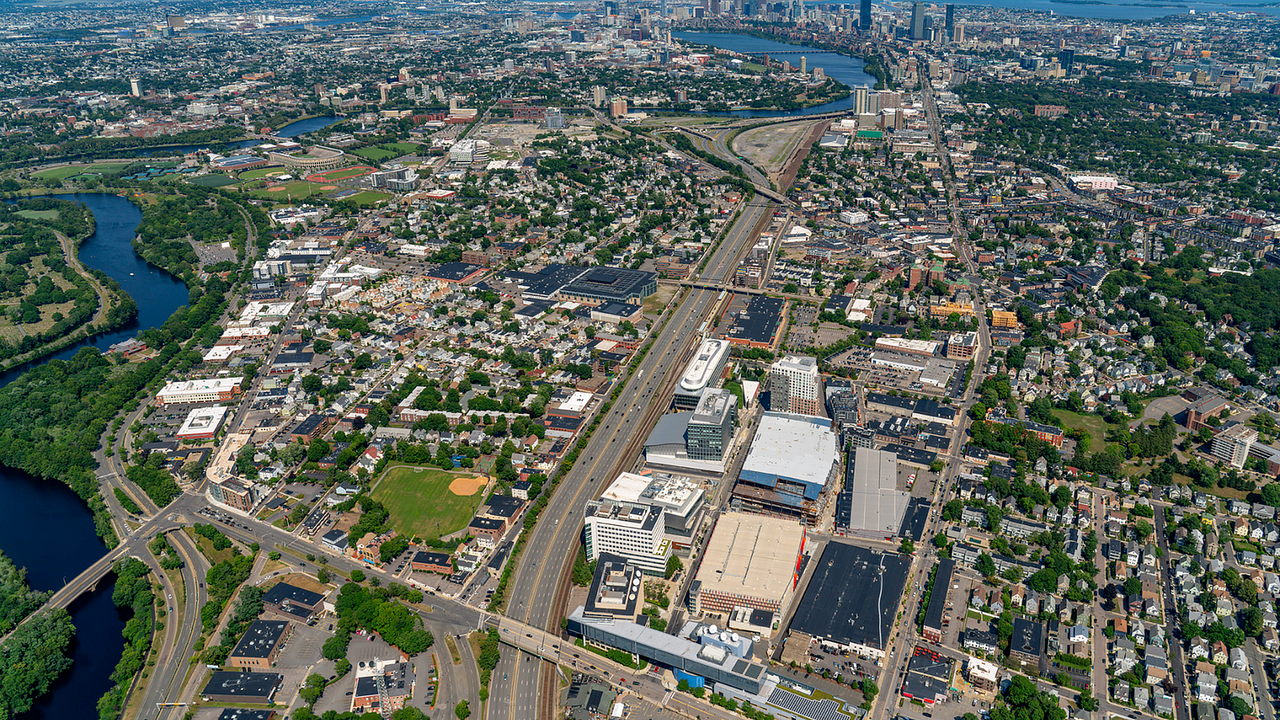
point(537, 591)
point(165, 683)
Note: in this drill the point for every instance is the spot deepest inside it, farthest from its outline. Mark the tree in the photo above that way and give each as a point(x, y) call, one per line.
point(462, 710)
point(357, 575)
point(1132, 586)
point(1087, 701)
point(312, 689)
point(674, 565)
point(986, 566)
point(907, 547)
point(869, 689)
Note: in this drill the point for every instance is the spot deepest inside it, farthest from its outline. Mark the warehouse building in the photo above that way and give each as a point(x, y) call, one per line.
point(749, 562)
point(776, 480)
point(590, 285)
point(870, 504)
point(242, 687)
point(852, 598)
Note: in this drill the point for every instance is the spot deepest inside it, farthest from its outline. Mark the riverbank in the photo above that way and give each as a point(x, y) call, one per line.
point(842, 67)
point(871, 64)
point(115, 308)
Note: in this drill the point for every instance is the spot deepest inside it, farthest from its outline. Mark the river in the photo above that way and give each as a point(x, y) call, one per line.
point(846, 69)
point(44, 526)
point(293, 129)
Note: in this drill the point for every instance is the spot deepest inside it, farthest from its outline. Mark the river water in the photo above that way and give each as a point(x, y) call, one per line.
point(293, 129)
point(44, 526)
point(848, 70)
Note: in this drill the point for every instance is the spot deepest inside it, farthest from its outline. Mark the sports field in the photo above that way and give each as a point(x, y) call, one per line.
point(213, 181)
point(341, 173)
point(296, 189)
point(262, 172)
point(66, 171)
point(426, 502)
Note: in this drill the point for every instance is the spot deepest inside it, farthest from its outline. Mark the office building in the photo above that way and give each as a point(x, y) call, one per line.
point(1232, 444)
point(260, 645)
point(707, 662)
point(554, 119)
point(199, 391)
point(615, 590)
point(707, 365)
point(233, 493)
point(950, 27)
point(864, 16)
point(680, 498)
point(749, 561)
point(793, 385)
point(202, 423)
point(710, 430)
point(292, 602)
point(917, 21)
point(135, 87)
point(633, 531)
point(382, 685)
point(776, 479)
point(1067, 60)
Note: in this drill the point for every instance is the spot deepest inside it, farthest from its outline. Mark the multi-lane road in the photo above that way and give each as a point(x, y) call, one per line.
point(529, 687)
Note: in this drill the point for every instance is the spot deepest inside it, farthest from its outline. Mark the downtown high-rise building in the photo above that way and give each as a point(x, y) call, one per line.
point(864, 16)
point(917, 21)
point(951, 23)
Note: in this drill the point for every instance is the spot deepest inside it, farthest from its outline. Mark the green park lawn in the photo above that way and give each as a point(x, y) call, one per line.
point(368, 197)
point(421, 503)
point(1095, 426)
point(38, 214)
point(375, 154)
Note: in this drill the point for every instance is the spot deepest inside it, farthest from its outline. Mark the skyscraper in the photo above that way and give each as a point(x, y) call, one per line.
point(804, 64)
point(860, 104)
point(864, 16)
point(951, 23)
point(1067, 60)
point(917, 21)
